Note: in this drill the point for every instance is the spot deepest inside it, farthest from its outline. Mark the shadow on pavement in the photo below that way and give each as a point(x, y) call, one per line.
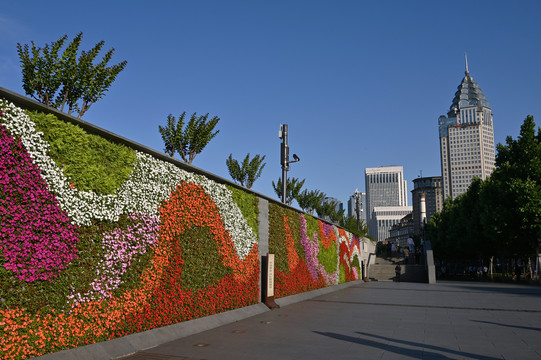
point(506, 325)
point(420, 353)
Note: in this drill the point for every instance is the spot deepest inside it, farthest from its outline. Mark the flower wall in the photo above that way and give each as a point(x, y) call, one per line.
point(309, 253)
point(98, 240)
point(79, 266)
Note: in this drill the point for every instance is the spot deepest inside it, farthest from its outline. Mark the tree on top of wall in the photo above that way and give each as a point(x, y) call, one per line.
point(311, 200)
point(293, 188)
point(247, 173)
point(190, 140)
point(67, 79)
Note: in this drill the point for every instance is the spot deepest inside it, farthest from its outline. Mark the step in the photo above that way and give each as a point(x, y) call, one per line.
point(409, 273)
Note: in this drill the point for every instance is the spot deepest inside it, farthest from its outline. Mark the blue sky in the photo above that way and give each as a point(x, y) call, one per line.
point(359, 83)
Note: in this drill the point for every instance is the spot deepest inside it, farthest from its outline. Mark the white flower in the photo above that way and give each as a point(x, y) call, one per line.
point(150, 183)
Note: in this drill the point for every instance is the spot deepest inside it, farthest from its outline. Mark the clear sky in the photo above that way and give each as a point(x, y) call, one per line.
point(359, 83)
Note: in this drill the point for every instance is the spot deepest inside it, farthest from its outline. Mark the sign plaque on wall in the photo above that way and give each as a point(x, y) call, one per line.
point(269, 293)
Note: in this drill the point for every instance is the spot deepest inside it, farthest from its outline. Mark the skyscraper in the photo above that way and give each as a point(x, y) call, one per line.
point(386, 199)
point(466, 139)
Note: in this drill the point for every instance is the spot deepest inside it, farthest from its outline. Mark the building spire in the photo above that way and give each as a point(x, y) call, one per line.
point(466, 57)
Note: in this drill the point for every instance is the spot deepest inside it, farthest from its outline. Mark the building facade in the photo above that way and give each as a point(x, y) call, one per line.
point(385, 188)
point(466, 139)
point(401, 231)
point(431, 187)
point(384, 218)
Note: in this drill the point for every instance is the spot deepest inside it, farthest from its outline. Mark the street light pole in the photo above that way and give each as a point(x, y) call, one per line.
point(284, 159)
point(358, 203)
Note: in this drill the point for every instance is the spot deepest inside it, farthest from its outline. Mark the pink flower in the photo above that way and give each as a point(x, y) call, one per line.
point(37, 239)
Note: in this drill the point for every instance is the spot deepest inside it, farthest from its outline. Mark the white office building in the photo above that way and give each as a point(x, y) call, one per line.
point(386, 199)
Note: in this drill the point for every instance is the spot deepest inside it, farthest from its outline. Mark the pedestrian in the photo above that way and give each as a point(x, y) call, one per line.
point(411, 244)
point(397, 270)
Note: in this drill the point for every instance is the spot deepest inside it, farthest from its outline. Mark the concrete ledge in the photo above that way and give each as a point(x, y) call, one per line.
point(147, 339)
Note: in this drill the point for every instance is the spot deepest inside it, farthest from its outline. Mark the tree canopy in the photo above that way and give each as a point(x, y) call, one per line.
point(247, 173)
point(310, 201)
point(67, 79)
point(189, 140)
point(293, 189)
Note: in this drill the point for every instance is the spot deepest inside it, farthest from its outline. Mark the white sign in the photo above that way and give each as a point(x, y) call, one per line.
point(270, 275)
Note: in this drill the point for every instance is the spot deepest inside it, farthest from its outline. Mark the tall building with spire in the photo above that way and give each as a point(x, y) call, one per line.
point(466, 139)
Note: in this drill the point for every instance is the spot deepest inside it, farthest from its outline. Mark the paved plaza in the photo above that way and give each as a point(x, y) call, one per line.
point(380, 320)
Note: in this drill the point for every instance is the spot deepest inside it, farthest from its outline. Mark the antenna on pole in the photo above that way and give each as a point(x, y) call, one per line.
point(466, 57)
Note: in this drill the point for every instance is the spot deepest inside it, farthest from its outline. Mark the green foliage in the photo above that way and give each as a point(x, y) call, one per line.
point(192, 139)
point(293, 189)
point(328, 257)
point(328, 211)
point(311, 200)
point(356, 264)
point(248, 206)
point(312, 226)
point(89, 161)
point(341, 274)
point(203, 264)
point(513, 217)
point(350, 224)
point(249, 172)
point(277, 235)
point(59, 80)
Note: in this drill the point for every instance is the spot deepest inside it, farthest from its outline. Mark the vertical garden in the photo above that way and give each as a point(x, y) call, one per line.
point(98, 240)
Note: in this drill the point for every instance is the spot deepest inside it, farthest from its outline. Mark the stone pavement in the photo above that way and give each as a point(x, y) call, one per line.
point(380, 320)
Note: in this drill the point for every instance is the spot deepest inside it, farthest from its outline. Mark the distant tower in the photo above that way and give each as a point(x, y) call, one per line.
point(352, 206)
point(466, 139)
point(431, 188)
point(386, 199)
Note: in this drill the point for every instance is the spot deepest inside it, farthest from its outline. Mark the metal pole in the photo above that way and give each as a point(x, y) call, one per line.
point(284, 184)
point(285, 161)
point(357, 195)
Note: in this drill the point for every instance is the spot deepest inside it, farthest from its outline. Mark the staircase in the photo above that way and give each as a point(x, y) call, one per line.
point(383, 270)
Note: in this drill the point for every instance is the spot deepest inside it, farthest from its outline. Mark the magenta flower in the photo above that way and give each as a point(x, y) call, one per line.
point(37, 239)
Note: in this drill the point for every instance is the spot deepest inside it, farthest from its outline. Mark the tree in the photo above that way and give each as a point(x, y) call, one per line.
point(309, 201)
point(190, 140)
point(327, 210)
point(350, 223)
point(293, 189)
point(249, 172)
point(512, 197)
point(59, 80)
